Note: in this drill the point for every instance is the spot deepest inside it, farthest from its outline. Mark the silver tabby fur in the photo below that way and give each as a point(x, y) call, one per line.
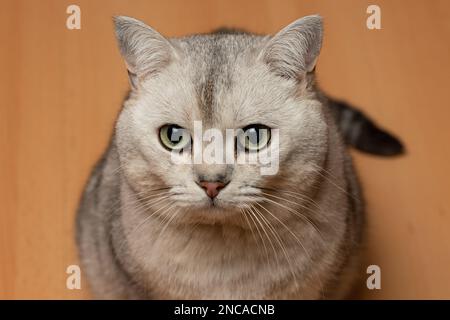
point(146, 230)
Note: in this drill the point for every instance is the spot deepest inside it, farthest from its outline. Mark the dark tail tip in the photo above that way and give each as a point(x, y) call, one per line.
point(377, 141)
point(362, 133)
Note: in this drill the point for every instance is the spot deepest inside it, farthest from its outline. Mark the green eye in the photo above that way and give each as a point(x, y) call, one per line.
point(174, 137)
point(254, 137)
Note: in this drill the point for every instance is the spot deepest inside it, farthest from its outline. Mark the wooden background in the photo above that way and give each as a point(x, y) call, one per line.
point(60, 91)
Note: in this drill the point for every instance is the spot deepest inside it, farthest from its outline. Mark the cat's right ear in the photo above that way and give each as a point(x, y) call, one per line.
point(145, 51)
point(293, 51)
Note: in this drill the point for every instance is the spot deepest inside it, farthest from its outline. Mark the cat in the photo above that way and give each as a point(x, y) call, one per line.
point(150, 229)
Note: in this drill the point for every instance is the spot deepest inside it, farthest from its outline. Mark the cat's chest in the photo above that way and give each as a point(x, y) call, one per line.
point(211, 267)
point(242, 279)
point(208, 266)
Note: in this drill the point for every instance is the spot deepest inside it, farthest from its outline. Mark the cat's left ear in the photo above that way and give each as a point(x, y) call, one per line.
point(293, 51)
point(145, 51)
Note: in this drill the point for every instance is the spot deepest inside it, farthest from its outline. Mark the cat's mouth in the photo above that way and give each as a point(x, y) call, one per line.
point(224, 201)
point(212, 204)
point(219, 206)
point(216, 204)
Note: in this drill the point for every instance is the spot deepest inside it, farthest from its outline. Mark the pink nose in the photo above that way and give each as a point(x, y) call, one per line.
point(212, 189)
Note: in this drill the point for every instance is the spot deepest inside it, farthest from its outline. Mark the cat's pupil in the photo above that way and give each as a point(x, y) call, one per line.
point(175, 134)
point(253, 135)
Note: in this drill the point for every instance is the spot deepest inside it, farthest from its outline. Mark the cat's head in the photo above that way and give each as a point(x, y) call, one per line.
point(259, 86)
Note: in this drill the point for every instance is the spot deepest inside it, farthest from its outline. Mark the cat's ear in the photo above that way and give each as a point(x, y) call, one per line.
point(145, 50)
point(293, 51)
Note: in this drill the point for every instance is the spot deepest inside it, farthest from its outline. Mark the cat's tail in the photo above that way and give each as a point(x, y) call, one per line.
point(362, 133)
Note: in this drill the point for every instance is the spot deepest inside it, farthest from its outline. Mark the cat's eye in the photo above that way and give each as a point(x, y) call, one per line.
point(254, 137)
point(174, 137)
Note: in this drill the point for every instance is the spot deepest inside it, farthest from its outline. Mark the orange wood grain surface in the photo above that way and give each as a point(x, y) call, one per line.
point(60, 91)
